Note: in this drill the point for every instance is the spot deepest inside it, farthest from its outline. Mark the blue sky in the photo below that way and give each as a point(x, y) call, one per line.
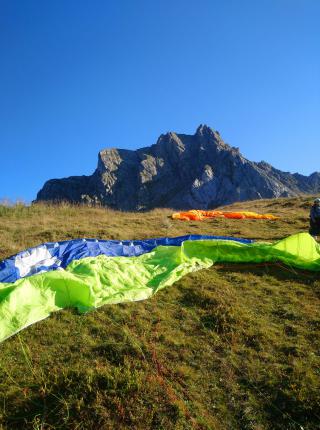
point(77, 76)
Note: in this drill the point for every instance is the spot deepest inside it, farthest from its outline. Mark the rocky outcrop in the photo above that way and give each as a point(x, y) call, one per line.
point(180, 171)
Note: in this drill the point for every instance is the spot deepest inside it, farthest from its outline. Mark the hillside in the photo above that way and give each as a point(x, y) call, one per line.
point(180, 171)
point(230, 347)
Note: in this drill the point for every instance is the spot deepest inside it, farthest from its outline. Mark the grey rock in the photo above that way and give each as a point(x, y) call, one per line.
point(180, 171)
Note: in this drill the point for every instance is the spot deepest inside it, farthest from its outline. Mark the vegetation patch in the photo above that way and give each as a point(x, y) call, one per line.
point(230, 347)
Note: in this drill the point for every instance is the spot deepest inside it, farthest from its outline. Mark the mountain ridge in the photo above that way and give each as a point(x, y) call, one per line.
point(180, 171)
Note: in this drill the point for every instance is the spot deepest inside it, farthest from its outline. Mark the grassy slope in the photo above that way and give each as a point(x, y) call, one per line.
point(231, 347)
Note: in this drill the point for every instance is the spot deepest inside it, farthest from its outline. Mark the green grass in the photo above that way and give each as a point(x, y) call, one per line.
point(231, 347)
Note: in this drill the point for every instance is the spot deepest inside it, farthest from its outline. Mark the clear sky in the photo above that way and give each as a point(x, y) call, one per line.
point(77, 76)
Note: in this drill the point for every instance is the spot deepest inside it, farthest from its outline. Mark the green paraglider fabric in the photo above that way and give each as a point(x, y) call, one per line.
point(94, 281)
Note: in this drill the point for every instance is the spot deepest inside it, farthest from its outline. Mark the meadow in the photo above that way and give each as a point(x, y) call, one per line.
point(236, 346)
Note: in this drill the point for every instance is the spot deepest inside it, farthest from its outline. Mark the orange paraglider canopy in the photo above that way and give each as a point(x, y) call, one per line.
point(200, 215)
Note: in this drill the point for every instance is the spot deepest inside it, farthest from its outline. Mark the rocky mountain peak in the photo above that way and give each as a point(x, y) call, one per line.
point(204, 130)
point(208, 136)
point(180, 171)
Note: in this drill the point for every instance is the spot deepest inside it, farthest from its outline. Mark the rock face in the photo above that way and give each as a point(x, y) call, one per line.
point(180, 171)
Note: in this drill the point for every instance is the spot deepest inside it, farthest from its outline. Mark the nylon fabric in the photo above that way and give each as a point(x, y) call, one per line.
point(200, 215)
point(55, 255)
point(95, 281)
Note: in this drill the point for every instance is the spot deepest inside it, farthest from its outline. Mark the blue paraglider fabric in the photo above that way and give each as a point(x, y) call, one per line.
point(57, 255)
